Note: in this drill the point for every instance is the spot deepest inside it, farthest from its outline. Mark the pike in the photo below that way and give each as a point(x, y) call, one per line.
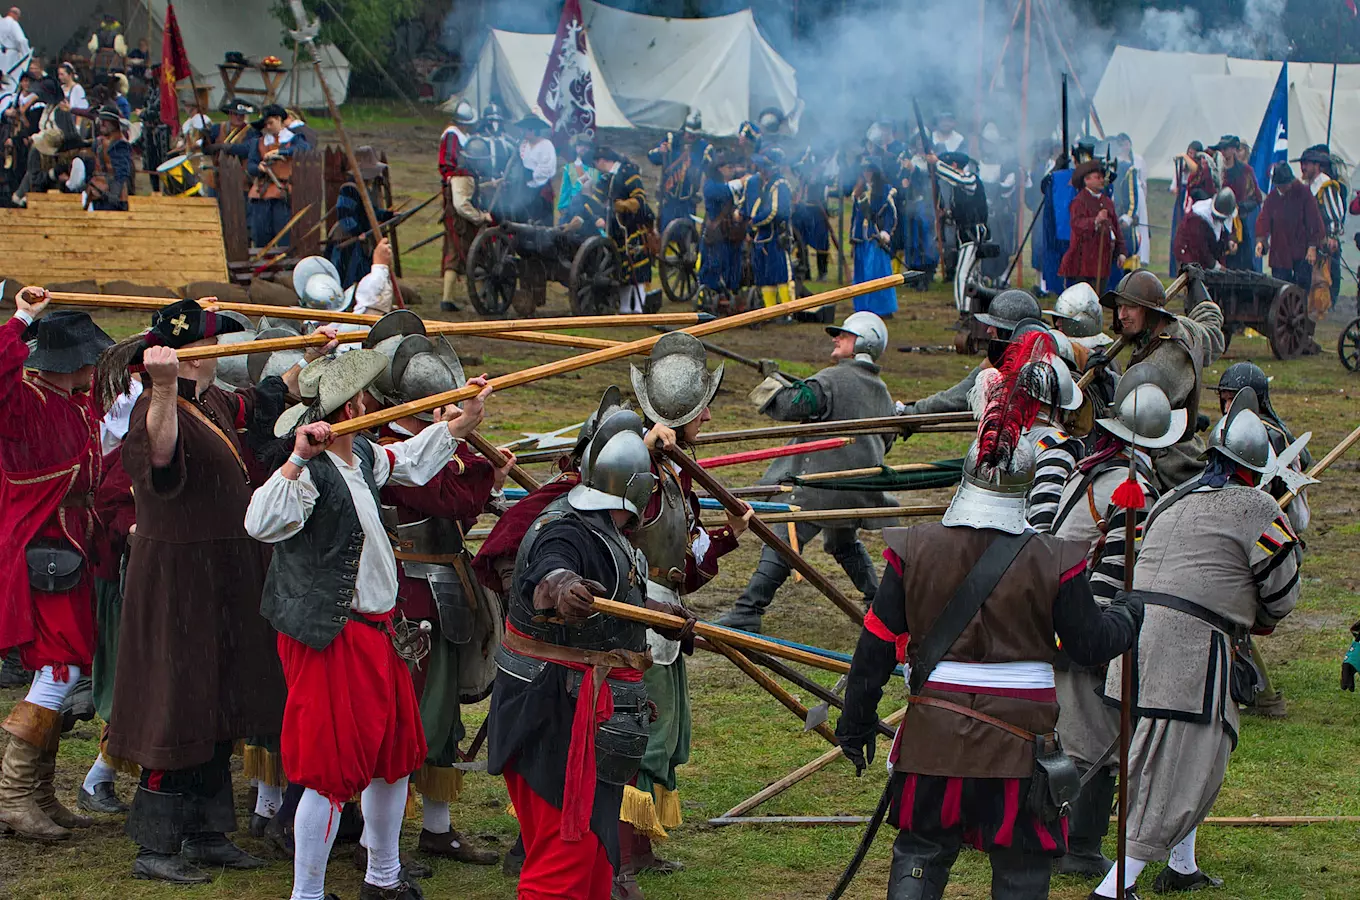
point(1324, 464)
point(767, 534)
point(765, 367)
point(422, 242)
point(928, 149)
point(858, 512)
point(736, 459)
point(867, 472)
point(585, 360)
point(872, 425)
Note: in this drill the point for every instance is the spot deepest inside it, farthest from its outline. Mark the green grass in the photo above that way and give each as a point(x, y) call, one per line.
point(743, 740)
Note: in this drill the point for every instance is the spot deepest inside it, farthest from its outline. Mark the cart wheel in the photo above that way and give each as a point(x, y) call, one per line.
point(596, 276)
point(1288, 322)
point(679, 261)
point(1348, 346)
point(492, 272)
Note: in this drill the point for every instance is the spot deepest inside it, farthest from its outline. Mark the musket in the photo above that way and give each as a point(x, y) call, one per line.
point(392, 222)
point(859, 512)
point(928, 150)
point(1064, 160)
point(421, 243)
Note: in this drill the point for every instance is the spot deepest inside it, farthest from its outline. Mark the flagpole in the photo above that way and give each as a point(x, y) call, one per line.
point(1331, 99)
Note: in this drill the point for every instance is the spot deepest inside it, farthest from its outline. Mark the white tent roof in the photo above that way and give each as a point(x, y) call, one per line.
point(660, 68)
point(510, 69)
point(211, 28)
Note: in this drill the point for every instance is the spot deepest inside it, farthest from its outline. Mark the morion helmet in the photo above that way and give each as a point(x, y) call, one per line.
point(1079, 309)
point(1141, 413)
point(677, 385)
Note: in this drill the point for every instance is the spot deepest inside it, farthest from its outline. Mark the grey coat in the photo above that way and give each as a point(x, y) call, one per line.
point(851, 389)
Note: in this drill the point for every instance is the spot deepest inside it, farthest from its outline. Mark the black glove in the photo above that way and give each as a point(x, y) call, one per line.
point(1201, 422)
point(857, 745)
point(567, 594)
point(1130, 605)
point(1096, 359)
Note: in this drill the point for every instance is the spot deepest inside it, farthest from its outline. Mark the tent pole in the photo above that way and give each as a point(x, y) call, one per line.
point(1331, 100)
point(1024, 128)
point(982, 34)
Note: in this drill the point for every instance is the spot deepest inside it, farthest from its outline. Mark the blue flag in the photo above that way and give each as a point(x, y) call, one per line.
point(1272, 141)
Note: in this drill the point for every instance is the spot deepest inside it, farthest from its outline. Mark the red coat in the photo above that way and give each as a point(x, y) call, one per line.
point(1093, 248)
point(1289, 224)
point(50, 464)
point(1195, 242)
point(506, 535)
point(115, 511)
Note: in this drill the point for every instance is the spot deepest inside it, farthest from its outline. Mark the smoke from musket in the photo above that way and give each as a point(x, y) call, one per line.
point(1259, 33)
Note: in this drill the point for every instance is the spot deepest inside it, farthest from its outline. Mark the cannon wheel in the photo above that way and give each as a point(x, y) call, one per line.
point(1348, 346)
point(801, 264)
point(1287, 319)
point(679, 261)
point(492, 272)
point(596, 276)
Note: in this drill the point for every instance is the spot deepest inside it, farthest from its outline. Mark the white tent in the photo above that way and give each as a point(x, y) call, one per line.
point(660, 68)
point(510, 70)
point(1163, 101)
point(211, 28)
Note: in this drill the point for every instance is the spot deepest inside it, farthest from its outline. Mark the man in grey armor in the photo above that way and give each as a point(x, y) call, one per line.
point(850, 388)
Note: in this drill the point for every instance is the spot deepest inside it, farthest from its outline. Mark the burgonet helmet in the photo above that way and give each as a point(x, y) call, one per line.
point(871, 335)
point(611, 402)
point(677, 385)
point(1139, 288)
point(317, 284)
point(1241, 436)
point(1249, 375)
point(1008, 308)
point(1225, 204)
point(1078, 308)
point(464, 113)
point(418, 366)
point(616, 469)
point(1141, 413)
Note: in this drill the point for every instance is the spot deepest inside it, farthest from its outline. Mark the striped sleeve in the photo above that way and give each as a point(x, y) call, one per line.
point(1056, 460)
point(1108, 571)
point(1333, 207)
point(1275, 570)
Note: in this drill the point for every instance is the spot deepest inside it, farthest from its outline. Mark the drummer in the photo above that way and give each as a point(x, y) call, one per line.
point(233, 138)
point(269, 169)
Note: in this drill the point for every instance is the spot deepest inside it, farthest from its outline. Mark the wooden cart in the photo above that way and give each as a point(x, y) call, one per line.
point(1277, 309)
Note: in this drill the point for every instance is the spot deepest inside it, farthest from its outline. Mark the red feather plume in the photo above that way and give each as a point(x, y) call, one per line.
point(1009, 408)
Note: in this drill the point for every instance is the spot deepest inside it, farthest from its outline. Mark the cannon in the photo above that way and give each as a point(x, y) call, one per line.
point(1277, 309)
point(511, 256)
point(678, 266)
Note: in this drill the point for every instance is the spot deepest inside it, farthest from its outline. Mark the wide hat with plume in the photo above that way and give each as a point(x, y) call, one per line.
point(178, 325)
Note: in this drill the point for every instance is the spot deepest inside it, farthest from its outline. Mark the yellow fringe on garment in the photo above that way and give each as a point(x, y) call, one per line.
point(263, 766)
point(412, 808)
point(510, 811)
point(121, 766)
point(239, 747)
point(442, 783)
point(639, 810)
point(667, 806)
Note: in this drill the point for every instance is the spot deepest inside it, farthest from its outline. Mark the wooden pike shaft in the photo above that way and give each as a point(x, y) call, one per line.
point(1325, 463)
point(240, 348)
point(1118, 346)
point(774, 688)
point(719, 634)
point(862, 473)
point(761, 529)
point(584, 360)
point(859, 512)
point(867, 426)
point(432, 326)
point(795, 776)
point(497, 459)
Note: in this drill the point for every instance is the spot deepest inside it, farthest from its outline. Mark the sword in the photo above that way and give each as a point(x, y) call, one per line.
point(545, 440)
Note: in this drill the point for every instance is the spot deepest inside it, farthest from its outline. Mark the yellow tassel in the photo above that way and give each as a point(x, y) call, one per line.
point(263, 766)
point(121, 766)
point(639, 810)
point(667, 806)
point(440, 783)
point(412, 809)
point(510, 811)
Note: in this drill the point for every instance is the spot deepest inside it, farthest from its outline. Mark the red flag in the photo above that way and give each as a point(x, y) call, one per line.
point(174, 66)
point(567, 94)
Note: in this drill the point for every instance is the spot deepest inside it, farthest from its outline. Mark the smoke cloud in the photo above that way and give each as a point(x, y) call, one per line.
point(1259, 33)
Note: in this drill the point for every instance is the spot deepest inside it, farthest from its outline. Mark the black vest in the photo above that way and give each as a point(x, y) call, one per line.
point(309, 590)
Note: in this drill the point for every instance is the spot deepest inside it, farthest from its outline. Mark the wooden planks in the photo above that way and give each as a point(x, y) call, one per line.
point(165, 241)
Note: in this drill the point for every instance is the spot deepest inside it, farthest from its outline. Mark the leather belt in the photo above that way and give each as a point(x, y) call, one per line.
point(1190, 608)
point(437, 559)
point(611, 659)
point(1005, 726)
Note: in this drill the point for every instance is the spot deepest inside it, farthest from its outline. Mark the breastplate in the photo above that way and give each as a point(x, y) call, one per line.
point(665, 539)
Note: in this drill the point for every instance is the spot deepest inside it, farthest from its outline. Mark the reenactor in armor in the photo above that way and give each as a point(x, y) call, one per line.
point(503, 149)
point(427, 523)
point(1178, 347)
point(850, 388)
point(1219, 561)
point(682, 556)
point(559, 654)
point(1140, 420)
point(462, 217)
point(269, 168)
point(981, 595)
point(682, 165)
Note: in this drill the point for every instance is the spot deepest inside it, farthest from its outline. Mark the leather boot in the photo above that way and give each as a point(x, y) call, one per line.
point(47, 793)
point(1017, 875)
point(31, 729)
point(625, 879)
point(12, 672)
point(1087, 825)
point(918, 872)
point(514, 859)
point(646, 860)
point(455, 845)
point(746, 613)
point(215, 850)
point(446, 303)
point(854, 559)
point(171, 868)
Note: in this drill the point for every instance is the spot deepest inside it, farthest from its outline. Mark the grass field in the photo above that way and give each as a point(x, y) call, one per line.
point(743, 740)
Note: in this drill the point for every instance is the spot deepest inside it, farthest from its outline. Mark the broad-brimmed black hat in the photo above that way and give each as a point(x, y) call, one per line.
point(1318, 153)
point(64, 341)
point(235, 106)
point(534, 124)
point(182, 323)
point(272, 109)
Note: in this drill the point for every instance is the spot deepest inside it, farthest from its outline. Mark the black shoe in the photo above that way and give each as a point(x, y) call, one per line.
point(280, 836)
point(12, 672)
point(1128, 895)
point(1169, 881)
point(101, 800)
point(259, 825)
point(514, 860)
point(217, 851)
point(174, 869)
point(446, 306)
point(744, 619)
point(404, 890)
point(1082, 865)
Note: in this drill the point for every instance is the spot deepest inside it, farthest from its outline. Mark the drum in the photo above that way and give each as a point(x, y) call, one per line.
point(178, 177)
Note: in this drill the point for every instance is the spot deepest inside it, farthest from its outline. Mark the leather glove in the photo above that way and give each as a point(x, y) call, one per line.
point(1132, 605)
point(762, 392)
point(1201, 422)
point(857, 745)
point(567, 594)
point(685, 633)
point(1096, 359)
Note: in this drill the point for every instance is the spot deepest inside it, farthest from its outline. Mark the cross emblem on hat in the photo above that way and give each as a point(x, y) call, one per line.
point(180, 324)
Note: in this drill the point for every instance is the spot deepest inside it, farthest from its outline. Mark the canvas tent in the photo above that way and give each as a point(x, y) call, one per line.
point(210, 29)
point(660, 68)
point(1165, 100)
point(647, 71)
point(510, 70)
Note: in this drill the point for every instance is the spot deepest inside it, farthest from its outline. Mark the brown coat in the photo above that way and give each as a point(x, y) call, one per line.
point(1015, 625)
point(1094, 248)
point(197, 662)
